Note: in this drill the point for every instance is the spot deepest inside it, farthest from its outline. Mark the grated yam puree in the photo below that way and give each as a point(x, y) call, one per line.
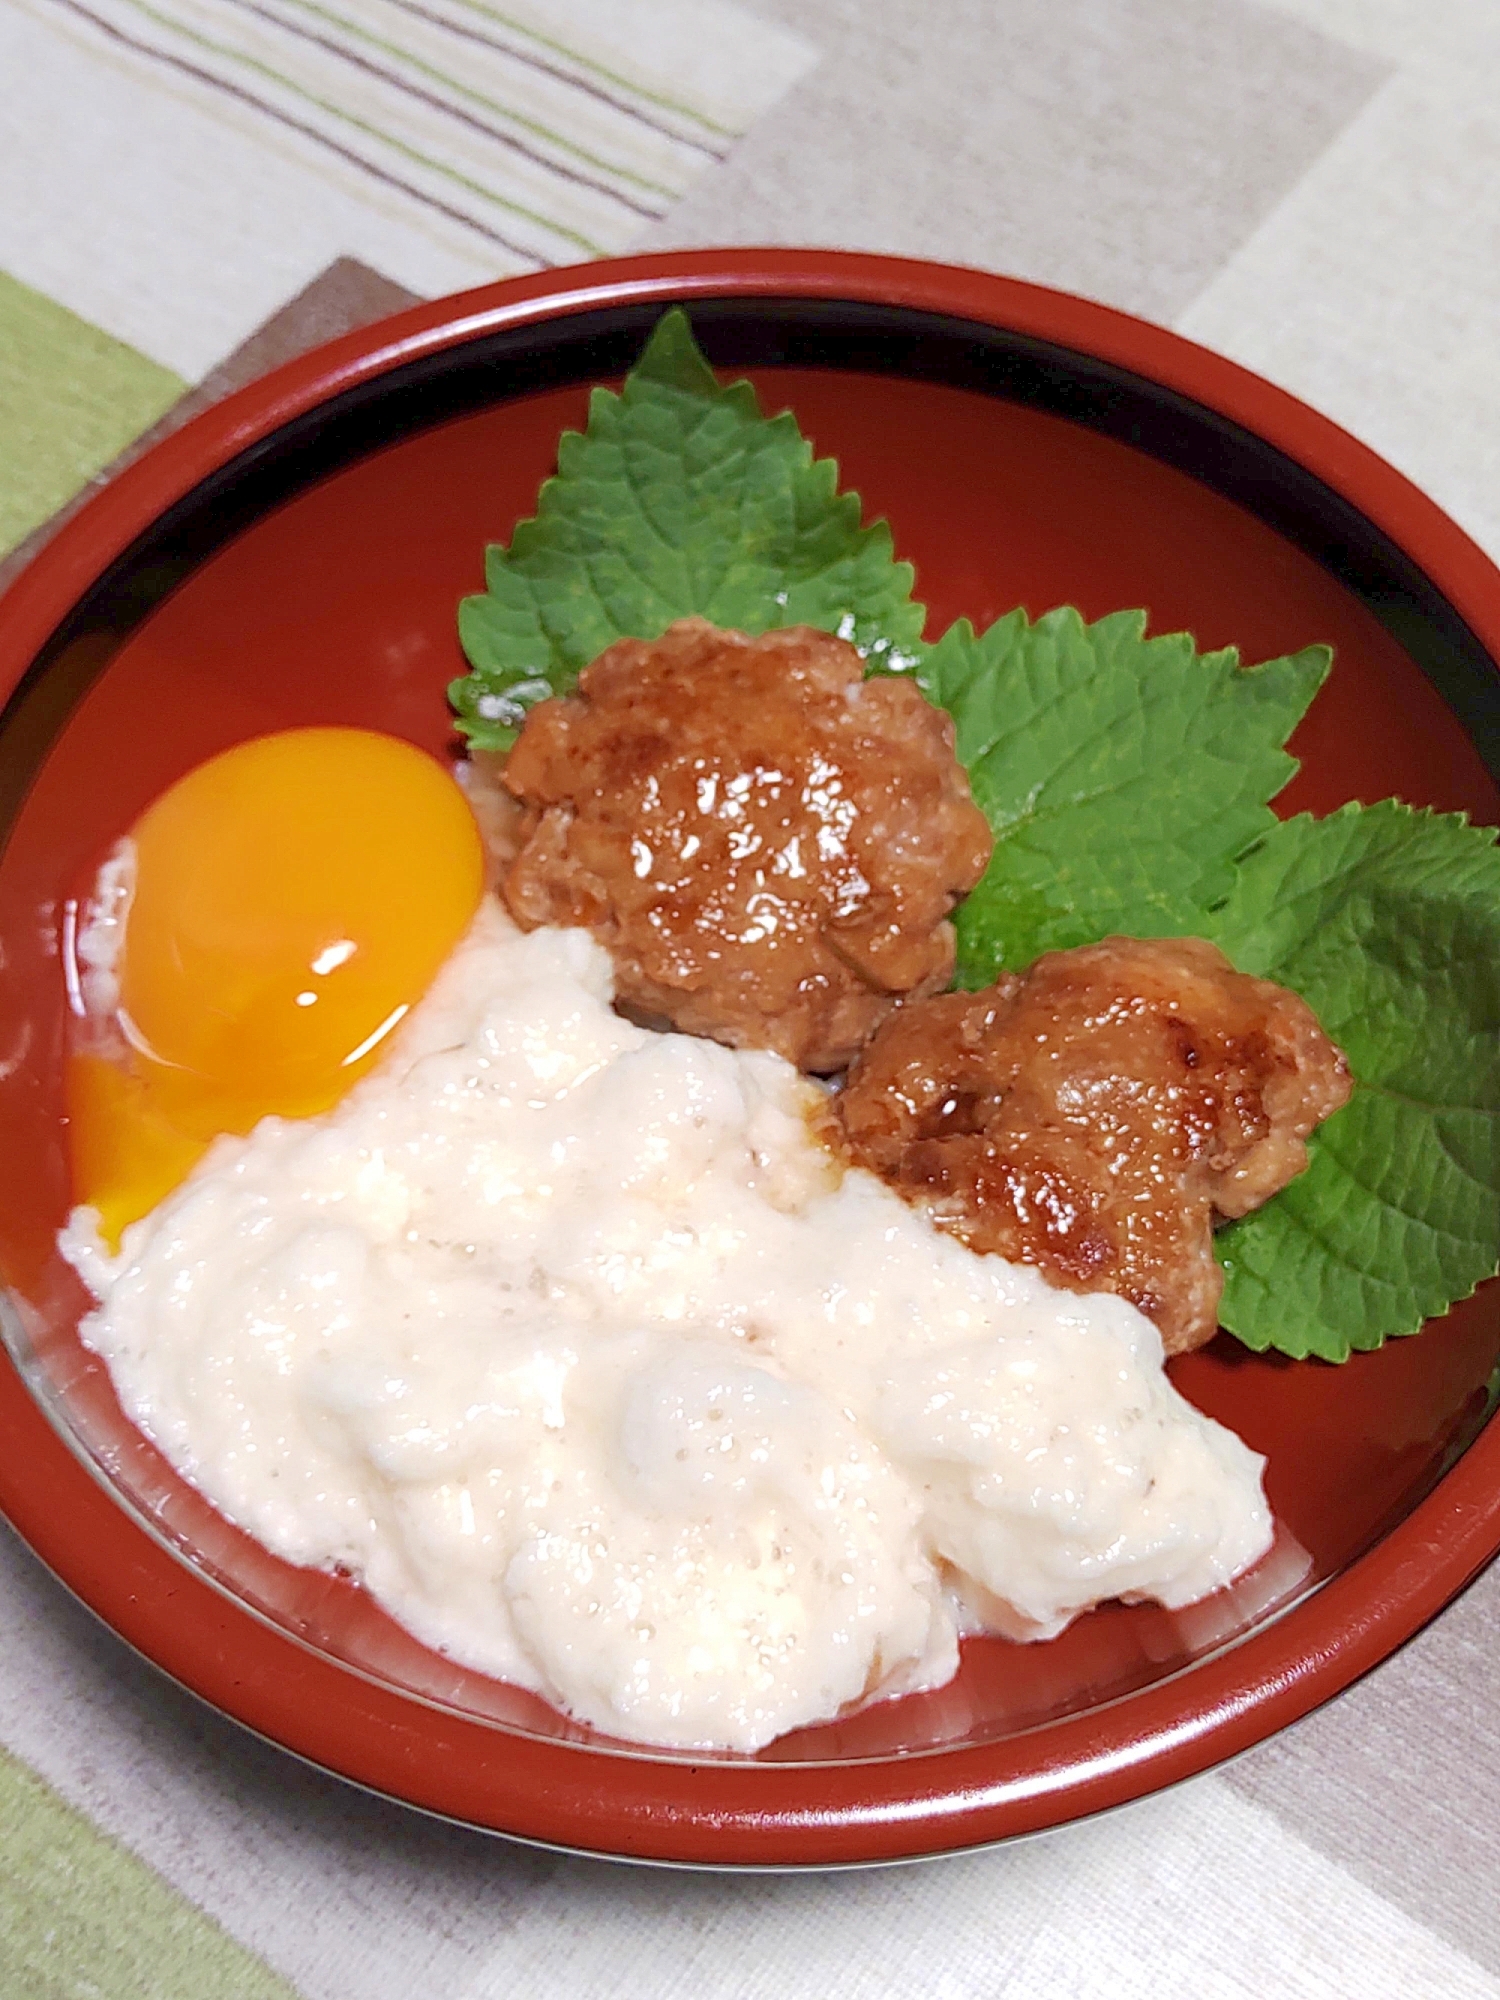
point(574, 1342)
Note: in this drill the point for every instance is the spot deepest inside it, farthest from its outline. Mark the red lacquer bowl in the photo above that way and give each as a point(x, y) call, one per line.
point(295, 556)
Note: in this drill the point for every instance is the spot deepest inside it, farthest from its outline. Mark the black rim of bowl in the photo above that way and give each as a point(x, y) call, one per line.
point(849, 335)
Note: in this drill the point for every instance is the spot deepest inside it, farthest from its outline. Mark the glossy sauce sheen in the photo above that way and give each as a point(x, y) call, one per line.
point(769, 844)
point(696, 1435)
point(1095, 1114)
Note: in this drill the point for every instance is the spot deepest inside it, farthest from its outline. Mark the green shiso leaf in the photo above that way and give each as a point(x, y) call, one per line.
point(1387, 921)
point(1128, 781)
point(1122, 775)
point(679, 498)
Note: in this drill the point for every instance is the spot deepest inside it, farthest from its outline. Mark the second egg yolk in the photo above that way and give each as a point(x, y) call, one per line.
point(292, 898)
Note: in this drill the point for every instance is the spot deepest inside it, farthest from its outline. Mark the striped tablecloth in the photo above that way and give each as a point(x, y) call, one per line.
point(192, 190)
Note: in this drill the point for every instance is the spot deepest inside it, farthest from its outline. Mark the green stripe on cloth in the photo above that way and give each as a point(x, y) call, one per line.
point(82, 1919)
point(71, 398)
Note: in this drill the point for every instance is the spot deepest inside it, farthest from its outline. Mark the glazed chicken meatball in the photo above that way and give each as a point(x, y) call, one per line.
point(1094, 1116)
point(768, 844)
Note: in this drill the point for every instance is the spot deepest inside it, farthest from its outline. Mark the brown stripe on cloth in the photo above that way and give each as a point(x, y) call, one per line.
point(616, 99)
point(486, 127)
point(225, 87)
point(345, 296)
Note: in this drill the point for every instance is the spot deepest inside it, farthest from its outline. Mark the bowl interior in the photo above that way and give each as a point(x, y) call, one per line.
point(316, 581)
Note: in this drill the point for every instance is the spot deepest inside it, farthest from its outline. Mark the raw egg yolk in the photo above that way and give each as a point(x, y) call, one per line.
point(292, 899)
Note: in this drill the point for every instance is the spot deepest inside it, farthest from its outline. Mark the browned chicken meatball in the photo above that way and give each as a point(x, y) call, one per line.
point(768, 844)
point(1093, 1116)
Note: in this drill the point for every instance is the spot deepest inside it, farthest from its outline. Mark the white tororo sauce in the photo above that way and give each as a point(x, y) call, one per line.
point(572, 1341)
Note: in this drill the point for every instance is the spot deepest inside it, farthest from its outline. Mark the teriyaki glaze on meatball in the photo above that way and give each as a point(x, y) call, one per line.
point(767, 843)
